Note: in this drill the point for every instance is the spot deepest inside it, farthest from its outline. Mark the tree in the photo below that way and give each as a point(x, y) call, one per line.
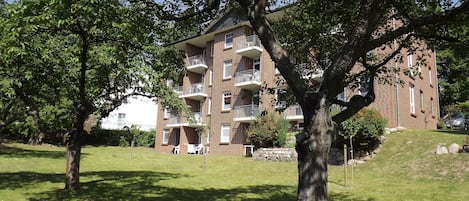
point(89, 56)
point(268, 130)
point(452, 74)
point(336, 36)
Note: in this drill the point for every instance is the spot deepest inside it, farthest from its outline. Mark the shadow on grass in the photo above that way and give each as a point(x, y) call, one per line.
point(15, 152)
point(454, 132)
point(145, 185)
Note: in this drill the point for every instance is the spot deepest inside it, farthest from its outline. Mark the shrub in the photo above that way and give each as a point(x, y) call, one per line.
point(268, 130)
point(366, 127)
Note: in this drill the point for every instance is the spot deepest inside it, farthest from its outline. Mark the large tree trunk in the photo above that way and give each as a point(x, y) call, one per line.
point(73, 142)
point(313, 146)
point(73, 153)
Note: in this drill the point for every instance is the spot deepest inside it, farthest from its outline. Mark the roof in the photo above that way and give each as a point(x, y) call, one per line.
point(228, 20)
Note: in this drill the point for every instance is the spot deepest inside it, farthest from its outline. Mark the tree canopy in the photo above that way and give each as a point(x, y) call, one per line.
point(67, 60)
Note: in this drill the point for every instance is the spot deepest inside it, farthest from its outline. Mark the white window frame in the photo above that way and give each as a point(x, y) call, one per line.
point(412, 99)
point(208, 136)
point(410, 63)
point(225, 95)
point(430, 76)
point(167, 112)
point(227, 68)
point(165, 138)
point(212, 47)
point(210, 77)
point(228, 40)
point(225, 133)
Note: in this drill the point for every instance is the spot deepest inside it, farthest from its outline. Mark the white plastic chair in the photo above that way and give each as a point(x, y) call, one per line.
point(176, 149)
point(199, 149)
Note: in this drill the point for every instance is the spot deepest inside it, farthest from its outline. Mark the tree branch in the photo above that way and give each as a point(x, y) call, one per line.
point(257, 17)
point(436, 20)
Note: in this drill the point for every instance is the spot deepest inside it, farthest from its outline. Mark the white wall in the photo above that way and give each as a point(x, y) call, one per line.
point(139, 111)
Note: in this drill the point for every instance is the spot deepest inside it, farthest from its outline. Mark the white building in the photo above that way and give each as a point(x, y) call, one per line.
point(139, 111)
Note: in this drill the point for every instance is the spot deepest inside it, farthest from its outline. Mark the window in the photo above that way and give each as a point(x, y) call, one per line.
point(167, 112)
point(421, 101)
point(226, 101)
point(165, 136)
point(227, 66)
point(411, 99)
point(228, 40)
point(364, 85)
point(121, 120)
point(209, 110)
point(430, 76)
point(410, 63)
point(212, 46)
point(432, 109)
point(225, 133)
point(210, 77)
point(256, 64)
point(278, 96)
point(208, 136)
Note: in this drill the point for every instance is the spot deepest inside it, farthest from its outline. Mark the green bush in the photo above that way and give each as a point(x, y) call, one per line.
point(268, 130)
point(366, 127)
point(123, 142)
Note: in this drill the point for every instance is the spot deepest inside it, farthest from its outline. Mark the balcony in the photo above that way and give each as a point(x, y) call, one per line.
point(310, 73)
point(194, 92)
point(251, 47)
point(178, 90)
point(248, 79)
point(175, 121)
point(293, 113)
point(246, 113)
point(197, 64)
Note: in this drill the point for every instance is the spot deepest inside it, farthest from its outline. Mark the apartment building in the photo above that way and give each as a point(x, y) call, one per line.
point(226, 67)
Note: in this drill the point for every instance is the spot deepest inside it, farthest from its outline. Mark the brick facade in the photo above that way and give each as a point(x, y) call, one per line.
point(392, 101)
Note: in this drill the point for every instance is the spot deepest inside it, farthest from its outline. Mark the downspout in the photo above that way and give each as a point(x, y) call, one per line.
point(398, 104)
point(437, 86)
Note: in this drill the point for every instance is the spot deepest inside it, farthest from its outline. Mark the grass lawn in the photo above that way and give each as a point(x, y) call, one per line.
point(404, 169)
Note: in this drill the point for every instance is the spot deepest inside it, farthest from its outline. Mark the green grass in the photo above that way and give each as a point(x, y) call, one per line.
point(405, 169)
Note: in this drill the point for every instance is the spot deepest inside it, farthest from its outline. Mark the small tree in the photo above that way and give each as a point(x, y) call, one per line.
point(268, 130)
point(366, 127)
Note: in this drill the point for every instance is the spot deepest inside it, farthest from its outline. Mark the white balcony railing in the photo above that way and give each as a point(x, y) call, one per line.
point(178, 90)
point(294, 110)
point(177, 120)
point(197, 64)
point(251, 75)
point(309, 72)
point(251, 41)
point(250, 47)
point(174, 119)
point(246, 111)
point(197, 88)
point(196, 60)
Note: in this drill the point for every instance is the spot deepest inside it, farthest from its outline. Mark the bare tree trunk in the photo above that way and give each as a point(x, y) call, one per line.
point(73, 142)
point(73, 154)
point(313, 146)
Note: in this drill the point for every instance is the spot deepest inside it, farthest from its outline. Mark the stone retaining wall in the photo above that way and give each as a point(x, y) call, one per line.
point(336, 156)
point(275, 154)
